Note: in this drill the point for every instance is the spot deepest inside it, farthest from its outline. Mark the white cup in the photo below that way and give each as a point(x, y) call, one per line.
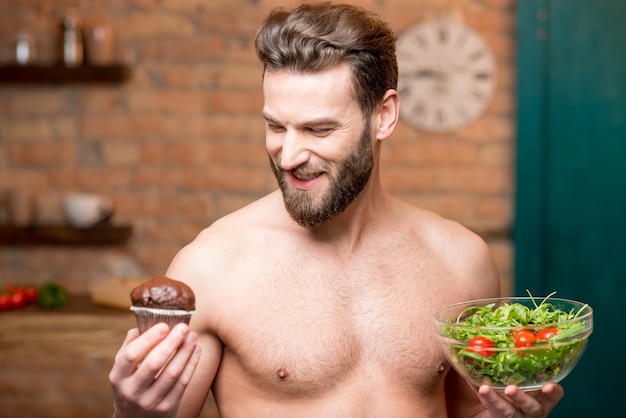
point(84, 210)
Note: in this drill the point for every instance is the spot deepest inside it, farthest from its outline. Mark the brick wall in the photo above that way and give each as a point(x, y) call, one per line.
point(181, 143)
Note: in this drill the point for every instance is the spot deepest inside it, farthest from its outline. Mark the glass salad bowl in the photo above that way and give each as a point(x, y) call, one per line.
point(523, 341)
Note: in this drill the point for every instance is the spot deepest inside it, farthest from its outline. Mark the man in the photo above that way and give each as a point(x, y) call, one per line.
point(318, 299)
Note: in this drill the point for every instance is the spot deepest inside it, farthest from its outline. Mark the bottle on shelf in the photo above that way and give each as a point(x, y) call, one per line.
point(72, 49)
point(24, 48)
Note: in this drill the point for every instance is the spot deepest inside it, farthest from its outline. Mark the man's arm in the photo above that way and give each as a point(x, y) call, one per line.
point(169, 374)
point(195, 396)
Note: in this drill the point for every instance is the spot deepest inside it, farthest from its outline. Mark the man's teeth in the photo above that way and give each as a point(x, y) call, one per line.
point(306, 177)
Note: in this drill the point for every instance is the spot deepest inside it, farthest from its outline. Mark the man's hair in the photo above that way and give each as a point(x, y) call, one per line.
point(313, 37)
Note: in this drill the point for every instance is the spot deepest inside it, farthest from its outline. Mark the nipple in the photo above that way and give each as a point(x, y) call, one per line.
point(441, 368)
point(282, 373)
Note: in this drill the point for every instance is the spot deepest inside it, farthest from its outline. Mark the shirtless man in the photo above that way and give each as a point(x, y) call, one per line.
point(317, 300)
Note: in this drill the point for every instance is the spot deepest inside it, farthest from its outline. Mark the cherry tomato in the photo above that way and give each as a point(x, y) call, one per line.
point(5, 302)
point(481, 346)
point(18, 298)
point(546, 334)
point(525, 338)
point(31, 294)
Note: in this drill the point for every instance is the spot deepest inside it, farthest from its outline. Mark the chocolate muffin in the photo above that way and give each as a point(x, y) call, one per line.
point(162, 299)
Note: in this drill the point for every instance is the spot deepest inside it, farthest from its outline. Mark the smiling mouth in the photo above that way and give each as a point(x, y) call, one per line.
point(304, 180)
point(305, 176)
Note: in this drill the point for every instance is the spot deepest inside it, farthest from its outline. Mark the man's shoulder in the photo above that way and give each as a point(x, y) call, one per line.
point(242, 227)
point(227, 246)
point(451, 242)
point(435, 228)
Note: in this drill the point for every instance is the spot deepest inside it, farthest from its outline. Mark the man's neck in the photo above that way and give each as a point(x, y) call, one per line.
point(349, 229)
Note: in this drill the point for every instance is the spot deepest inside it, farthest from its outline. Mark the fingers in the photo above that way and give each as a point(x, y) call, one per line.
point(134, 349)
point(497, 406)
point(527, 404)
point(552, 393)
point(539, 403)
point(514, 402)
point(171, 368)
point(175, 393)
point(151, 371)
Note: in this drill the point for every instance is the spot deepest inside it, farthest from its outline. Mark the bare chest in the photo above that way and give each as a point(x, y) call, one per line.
point(308, 330)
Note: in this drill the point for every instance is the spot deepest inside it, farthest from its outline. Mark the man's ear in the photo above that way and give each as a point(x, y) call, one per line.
point(388, 115)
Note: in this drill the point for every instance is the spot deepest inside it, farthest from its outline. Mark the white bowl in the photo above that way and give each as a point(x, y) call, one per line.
point(84, 210)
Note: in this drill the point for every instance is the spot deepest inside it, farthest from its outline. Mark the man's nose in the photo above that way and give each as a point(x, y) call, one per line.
point(294, 151)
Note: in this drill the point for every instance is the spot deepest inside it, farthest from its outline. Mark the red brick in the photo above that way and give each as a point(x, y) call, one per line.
point(38, 103)
point(38, 153)
point(154, 25)
point(497, 208)
point(170, 101)
point(450, 206)
point(192, 49)
point(237, 178)
point(481, 180)
point(502, 103)
point(397, 178)
point(243, 153)
point(121, 153)
point(235, 21)
point(99, 100)
point(488, 129)
point(497, 154)
point(121, 127)
point(236, 101)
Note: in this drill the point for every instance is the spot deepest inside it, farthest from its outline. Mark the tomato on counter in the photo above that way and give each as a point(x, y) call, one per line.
point(31, 294)
point(5, 302)
point(18, 298)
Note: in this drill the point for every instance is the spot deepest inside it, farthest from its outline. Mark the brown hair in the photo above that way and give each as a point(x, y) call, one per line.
point(313, 37)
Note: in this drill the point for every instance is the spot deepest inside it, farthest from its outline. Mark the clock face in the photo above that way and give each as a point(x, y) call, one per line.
point(446, 75)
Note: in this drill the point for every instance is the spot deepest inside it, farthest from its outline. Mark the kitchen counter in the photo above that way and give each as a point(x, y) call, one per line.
point(55, 363)
point(79, 328)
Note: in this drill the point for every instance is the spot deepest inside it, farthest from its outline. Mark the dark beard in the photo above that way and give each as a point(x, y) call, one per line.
point(344, 186)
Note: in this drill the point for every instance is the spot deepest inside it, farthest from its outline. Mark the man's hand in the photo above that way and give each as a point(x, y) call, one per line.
point(515, 403)
point(152, 370)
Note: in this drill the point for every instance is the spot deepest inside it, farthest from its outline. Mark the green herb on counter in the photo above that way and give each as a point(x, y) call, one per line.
point(52, 296)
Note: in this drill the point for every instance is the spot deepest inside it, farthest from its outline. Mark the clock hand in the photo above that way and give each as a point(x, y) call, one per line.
point(428, 73)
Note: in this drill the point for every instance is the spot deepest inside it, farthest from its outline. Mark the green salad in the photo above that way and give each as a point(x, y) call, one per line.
point(514, 343)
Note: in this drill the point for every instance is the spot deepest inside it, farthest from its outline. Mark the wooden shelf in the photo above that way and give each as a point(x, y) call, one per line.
point(37, 74)
point(100, 235)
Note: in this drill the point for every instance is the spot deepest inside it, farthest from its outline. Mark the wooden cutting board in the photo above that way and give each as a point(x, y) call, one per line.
point(115, 293)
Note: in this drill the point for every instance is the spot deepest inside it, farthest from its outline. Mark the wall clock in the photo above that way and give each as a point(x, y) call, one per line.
point(447, 75)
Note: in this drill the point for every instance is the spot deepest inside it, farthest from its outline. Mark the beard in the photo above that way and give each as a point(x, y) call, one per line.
point(345, 184)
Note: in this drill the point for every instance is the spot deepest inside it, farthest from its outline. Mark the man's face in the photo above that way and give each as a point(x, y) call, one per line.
point(346, 180)
point(319, 147)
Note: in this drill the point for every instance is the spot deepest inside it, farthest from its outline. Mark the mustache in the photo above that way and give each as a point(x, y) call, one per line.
point(305, 170)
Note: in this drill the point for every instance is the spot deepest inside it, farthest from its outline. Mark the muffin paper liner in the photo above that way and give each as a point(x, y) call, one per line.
point(147, 317)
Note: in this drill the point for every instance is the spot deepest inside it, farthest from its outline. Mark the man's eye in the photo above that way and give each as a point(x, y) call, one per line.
point(321, 132)
point(275, 128)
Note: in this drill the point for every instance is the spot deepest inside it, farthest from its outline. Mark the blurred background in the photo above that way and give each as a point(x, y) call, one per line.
point(154, 106)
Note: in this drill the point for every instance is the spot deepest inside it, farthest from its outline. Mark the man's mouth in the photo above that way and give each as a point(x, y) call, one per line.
point(303, 180)
point(305, 176)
